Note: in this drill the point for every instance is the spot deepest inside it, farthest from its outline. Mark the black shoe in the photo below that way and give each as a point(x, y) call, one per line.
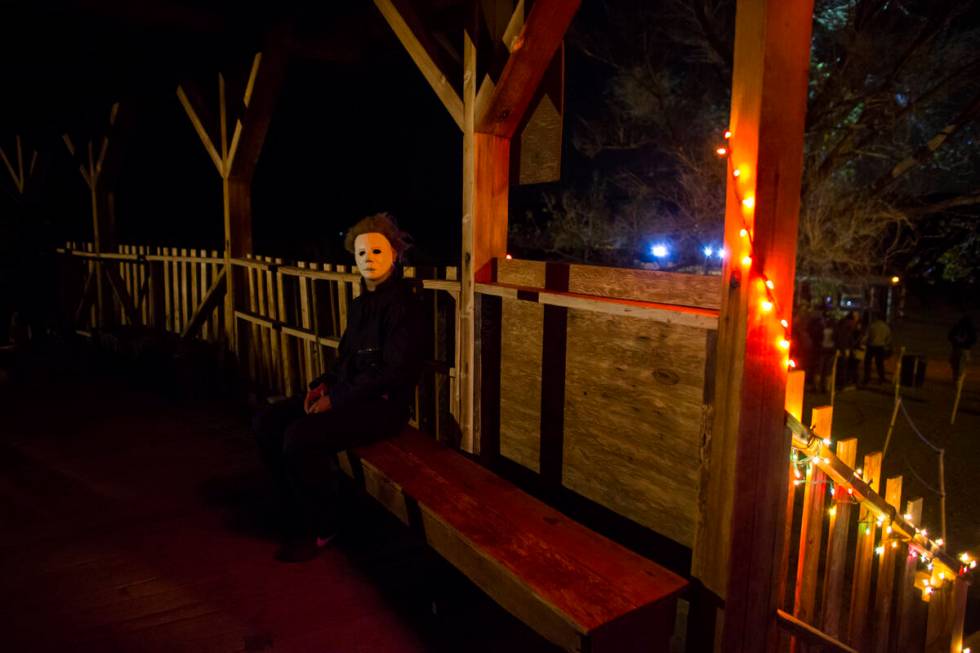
point(302, 549)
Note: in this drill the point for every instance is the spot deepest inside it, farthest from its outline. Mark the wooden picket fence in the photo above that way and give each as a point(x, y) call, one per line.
point(289, 318)
point(862, 573)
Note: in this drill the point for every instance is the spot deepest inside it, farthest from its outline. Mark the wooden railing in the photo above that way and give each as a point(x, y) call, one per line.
point(288, 317)
point(862, 573)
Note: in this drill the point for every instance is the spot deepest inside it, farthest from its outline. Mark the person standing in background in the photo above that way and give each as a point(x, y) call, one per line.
point(879, 340)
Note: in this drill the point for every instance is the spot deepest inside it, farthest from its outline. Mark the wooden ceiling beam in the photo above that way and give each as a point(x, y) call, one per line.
point(202, 133)
point(425, 52)
point(531, 54)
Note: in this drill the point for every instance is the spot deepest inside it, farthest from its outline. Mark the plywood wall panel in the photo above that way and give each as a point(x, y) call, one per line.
point(634, 403)
point(522, 325)
point(647, 285)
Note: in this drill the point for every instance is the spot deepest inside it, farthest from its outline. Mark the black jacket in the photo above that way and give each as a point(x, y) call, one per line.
point(380, 352)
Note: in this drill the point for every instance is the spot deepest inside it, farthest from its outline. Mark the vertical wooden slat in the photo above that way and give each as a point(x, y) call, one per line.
point(175, 288)
point(841, 515)
point(287, 350)
point(254, 341)
point(452, 273)
point(947, 609)
point(315, 318)
point(124, 275)
point(885, 586)
point(341, 301)
point(275, 351)
point(193, 282)
point(185, 296)
point(908, 596)
point(863, 558)
point(217, 316)
point(811, 529)
point(168, 311)
point(203, 278)
point(304, 317)
point(96, 269)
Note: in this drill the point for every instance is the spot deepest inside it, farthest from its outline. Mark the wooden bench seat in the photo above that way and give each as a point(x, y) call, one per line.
point(575, 587)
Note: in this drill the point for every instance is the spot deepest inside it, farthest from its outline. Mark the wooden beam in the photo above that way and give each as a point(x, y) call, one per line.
point(88, 293)
point(739, 544)
point(122, 294)
point(207, 305)
point(18, 182)
point(531, 54)
point(425, 52)
point(810, 635)
point(201, 131)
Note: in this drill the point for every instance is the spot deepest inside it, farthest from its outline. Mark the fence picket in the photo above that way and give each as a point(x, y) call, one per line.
point(838, 531)
point(864, 557)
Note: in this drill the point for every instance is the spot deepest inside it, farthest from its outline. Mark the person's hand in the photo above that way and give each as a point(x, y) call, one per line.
point(321, 405)
point(313, 396)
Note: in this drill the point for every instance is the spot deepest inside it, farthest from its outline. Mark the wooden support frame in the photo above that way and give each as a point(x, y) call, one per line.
point(234, 156)
point(18, 175)
point(208, 303)
point(744, 485)
point(90, 167)
point(425, 52)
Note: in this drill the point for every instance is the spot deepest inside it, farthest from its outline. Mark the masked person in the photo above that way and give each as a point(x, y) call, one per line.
point(363, 398)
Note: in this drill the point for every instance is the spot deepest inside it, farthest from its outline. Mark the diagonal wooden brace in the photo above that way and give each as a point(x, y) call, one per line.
point(214, 295)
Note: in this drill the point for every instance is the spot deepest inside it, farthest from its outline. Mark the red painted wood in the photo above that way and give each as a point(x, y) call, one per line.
point(588, 577)
point(526, 66)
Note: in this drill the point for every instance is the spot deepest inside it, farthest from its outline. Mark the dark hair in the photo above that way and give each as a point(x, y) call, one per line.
point(379, 223)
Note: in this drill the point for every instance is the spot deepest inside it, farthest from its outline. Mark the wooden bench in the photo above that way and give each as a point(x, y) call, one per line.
point(573, 586)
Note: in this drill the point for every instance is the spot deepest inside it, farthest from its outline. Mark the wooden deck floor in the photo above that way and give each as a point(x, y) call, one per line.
point(128, 522)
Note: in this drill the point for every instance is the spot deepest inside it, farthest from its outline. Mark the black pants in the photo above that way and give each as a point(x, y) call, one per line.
point(300, 452)
point(878, 354)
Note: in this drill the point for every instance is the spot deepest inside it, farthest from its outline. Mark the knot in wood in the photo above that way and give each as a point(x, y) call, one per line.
point(666, 377)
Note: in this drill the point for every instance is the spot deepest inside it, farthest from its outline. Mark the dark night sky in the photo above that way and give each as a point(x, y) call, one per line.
point(356, 129)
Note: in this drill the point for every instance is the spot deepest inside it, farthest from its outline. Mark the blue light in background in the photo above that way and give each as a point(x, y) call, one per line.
point(659, 250)
point(708, 251)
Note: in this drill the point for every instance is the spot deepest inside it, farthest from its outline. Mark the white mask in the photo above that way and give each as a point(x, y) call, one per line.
point(375, 257)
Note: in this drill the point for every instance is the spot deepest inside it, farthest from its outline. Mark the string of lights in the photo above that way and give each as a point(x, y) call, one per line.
point(750, 266)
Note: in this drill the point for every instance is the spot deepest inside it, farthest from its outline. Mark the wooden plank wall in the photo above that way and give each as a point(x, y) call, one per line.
point(635, 396)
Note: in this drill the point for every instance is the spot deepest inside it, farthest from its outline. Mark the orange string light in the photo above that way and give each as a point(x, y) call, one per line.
point(768, 304)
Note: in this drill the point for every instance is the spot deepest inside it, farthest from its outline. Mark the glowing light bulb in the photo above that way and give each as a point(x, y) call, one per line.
point(736, 173)
point(770, 285)
point(765, 305)
point(659, 250)
point(894, 545)
point(721, 151)
point(728, 134)
point(940, 542)
point(859, 471)
point(790, 363)
point(744, 233)
point(895, 280)
point(964, 557)
point(879, 550)
point(749, 202)
point(927, 590)
point(908, 516)
point(833, 511)
point(508, 257)
point(746, 261)
point(709, 250)
point(973, 564)
point(925, 533)
point(784, 324)
point(784, 344)
point(827, 441)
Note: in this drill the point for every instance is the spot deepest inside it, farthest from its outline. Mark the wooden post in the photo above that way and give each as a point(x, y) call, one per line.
point(235, 158)
point(836, 562)
point(887, 559)
point(747, 453)
point(906, 614)
point(91, 167)
point(863, 557)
